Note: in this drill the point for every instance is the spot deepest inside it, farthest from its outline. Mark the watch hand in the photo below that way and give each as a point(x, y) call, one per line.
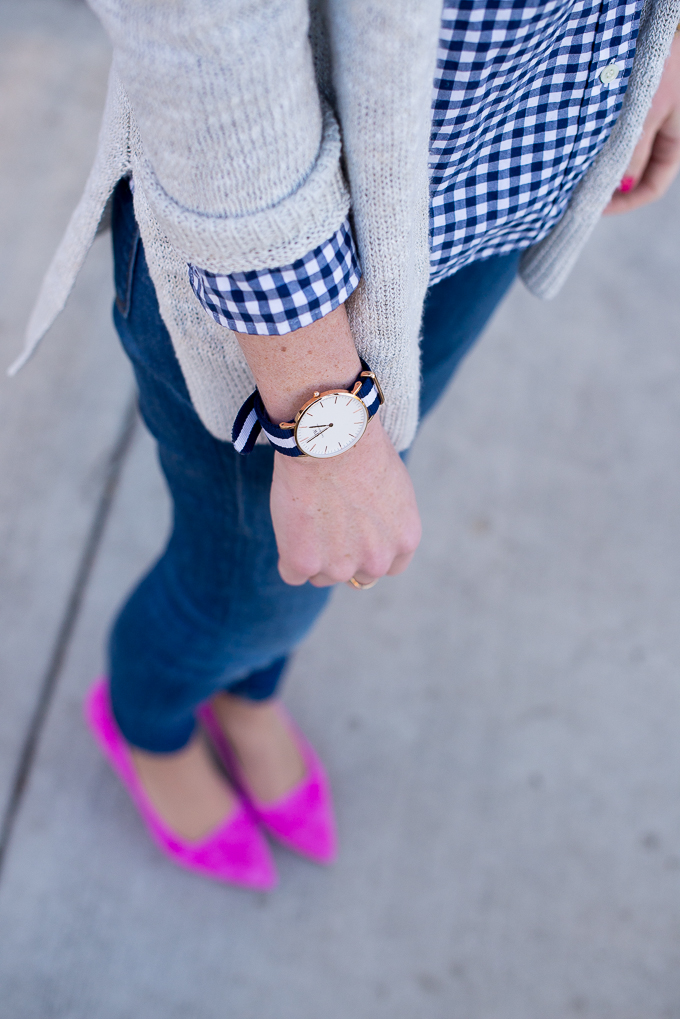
point(317, 434)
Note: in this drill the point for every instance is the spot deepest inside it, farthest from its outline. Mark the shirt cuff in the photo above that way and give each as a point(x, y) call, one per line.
point(273, 302)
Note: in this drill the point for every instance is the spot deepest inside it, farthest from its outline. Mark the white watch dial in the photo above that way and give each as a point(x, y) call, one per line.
point(331, 424)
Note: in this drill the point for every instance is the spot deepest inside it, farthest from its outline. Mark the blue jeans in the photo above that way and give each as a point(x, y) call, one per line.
point(213, 613)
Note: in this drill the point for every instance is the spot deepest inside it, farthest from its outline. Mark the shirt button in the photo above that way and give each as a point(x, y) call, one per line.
point(610, 73)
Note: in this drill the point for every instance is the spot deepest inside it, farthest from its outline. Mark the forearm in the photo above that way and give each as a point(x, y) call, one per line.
point(289, 369)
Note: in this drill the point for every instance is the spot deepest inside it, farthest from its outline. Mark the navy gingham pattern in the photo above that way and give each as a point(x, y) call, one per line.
point(519, 113)
point(277, 301)
point(253, 418)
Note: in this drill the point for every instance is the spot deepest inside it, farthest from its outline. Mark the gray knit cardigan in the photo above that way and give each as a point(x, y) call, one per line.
point(251, 130)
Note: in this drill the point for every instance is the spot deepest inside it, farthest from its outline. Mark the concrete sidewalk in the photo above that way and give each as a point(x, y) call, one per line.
point(500, 723)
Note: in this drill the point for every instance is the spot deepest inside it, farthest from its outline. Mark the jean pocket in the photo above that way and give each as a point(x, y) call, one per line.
point(125, 233)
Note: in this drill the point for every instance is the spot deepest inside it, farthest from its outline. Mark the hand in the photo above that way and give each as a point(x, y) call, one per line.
point(656, 158)
point(354, 515)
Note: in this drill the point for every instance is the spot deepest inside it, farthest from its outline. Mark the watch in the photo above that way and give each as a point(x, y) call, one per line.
point(325, 426)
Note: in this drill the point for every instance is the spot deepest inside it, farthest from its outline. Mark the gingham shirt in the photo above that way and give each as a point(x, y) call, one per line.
point(525, 95)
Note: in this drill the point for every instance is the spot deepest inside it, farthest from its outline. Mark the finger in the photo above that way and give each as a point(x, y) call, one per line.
point(619, 201)
point(322, 580)
point(400, 563)
point(326, 580)
point(364, 578)
point(658, 174)
point(292, 575)
point(655, 181)
point(343, 577)
point(662, 166)
point(374, 565)
point(641, 154)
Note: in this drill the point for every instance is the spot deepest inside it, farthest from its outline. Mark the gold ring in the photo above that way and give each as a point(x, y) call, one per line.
point(362, 587)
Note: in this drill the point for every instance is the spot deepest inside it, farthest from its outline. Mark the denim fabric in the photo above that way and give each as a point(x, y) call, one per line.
point(213, 612)
point(455, 313)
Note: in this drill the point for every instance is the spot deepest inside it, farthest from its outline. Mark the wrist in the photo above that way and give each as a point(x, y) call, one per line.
point(282, 402)
point(289, 369)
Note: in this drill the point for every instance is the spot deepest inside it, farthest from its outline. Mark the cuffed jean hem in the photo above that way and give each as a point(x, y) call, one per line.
point(149, 727)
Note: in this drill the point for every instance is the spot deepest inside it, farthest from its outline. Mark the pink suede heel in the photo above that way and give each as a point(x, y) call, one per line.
point(235, 852)
point(303, 819)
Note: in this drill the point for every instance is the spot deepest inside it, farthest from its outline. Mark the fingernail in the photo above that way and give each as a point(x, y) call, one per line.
point(627, 184)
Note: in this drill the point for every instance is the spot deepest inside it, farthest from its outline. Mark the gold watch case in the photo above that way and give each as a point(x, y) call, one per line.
point(318, 398)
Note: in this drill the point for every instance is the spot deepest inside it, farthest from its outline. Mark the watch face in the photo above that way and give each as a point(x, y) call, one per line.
point(331, 424)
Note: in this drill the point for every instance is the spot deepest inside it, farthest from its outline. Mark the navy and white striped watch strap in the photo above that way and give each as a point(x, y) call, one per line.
point(253, 418)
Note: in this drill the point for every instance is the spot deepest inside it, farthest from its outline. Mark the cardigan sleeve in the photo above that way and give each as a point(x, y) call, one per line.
point(241, 164)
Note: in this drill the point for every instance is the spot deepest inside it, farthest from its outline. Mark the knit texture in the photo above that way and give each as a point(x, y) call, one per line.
point(112, 161)
point(214, 107)
point(383, 58)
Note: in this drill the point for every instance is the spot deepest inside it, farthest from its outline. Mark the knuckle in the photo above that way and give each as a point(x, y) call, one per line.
point(320, 580)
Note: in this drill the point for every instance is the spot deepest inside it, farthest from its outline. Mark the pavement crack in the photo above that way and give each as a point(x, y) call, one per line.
point(66, 629)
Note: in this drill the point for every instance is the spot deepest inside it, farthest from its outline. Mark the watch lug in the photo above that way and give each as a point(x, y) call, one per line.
point(371, 375)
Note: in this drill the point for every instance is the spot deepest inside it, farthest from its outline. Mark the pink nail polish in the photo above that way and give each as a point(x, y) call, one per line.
point(627, 184)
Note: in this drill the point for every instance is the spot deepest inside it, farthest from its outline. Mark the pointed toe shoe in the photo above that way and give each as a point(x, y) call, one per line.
point(235, 852)
point(303, 820)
